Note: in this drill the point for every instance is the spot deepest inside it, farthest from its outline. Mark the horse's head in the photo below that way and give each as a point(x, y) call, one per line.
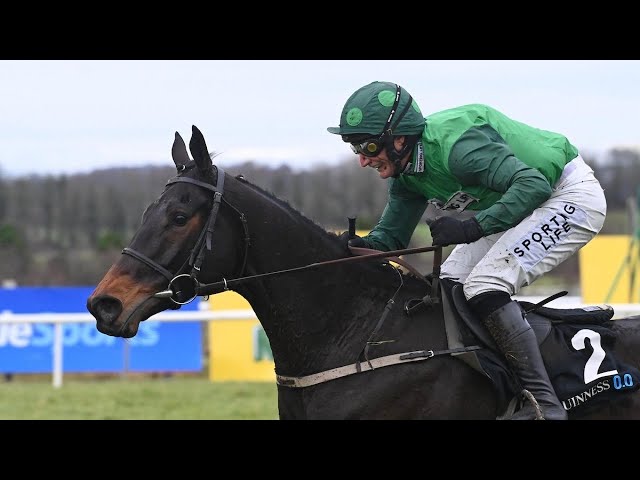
point(180, 232)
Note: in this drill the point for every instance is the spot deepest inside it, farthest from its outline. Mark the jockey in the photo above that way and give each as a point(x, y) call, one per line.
point(534, 199)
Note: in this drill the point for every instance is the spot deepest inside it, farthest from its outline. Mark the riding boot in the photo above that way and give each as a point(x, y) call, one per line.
point(518, 343)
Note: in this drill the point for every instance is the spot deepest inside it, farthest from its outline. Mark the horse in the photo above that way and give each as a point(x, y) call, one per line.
point(343, 344)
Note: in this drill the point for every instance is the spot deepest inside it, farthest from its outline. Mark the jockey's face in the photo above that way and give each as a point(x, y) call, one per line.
point(381, 161)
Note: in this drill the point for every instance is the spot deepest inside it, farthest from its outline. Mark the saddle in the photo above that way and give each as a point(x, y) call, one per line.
point(577, 346)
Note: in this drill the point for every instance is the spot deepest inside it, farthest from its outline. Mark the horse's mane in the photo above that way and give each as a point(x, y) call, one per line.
point(374, 267)
point(289, 208)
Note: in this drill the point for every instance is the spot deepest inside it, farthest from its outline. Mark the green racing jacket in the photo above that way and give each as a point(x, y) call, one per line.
point(509, 167)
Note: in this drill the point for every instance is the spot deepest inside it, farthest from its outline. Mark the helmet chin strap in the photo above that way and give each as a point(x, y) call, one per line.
point(396, 156)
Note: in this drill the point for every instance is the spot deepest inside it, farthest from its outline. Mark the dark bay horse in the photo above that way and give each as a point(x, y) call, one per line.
point(218, 228)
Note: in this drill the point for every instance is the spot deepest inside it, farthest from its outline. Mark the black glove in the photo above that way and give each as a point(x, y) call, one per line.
point(448, 231)
point(353, 242)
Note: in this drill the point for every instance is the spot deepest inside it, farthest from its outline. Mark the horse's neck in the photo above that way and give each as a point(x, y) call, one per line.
point(282, 238)
point(314, 315)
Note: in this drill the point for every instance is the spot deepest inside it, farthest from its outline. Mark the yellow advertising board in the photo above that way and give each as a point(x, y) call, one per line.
point(238, 349)
point(607, 270)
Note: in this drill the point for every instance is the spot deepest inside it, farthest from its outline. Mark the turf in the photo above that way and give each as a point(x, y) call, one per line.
point(138, 399)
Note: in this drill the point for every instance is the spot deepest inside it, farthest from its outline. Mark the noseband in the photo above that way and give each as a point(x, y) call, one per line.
point(200, 249)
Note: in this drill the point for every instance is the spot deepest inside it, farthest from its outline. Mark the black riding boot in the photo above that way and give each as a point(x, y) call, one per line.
point(518, 343)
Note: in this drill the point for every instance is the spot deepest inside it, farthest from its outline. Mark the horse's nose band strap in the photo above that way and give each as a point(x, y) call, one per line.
point(150, 263)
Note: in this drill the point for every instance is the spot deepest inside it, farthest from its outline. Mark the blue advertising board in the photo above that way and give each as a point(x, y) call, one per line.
point(27, 348)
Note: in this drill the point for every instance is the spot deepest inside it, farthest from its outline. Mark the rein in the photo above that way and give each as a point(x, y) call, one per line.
point(202, 289)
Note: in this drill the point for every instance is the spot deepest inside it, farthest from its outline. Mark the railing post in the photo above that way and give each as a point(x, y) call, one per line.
point(57, 355)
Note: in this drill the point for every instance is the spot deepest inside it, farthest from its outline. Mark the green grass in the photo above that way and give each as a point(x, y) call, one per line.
point(138, 399)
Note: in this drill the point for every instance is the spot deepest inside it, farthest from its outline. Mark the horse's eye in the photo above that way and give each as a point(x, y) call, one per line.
point(180, 220)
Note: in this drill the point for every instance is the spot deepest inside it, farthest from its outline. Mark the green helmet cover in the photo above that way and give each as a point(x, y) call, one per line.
point(368, 108)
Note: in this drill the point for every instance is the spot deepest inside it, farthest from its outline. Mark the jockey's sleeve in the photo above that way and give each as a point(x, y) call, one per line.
point(482, 157)
point(399, 218)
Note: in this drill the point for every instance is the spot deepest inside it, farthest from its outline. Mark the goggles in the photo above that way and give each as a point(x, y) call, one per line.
point(369, 148)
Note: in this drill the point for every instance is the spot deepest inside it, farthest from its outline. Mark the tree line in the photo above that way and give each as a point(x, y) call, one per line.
point(68, 229)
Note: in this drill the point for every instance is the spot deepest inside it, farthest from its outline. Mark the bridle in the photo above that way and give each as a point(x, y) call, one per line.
point(177, 286)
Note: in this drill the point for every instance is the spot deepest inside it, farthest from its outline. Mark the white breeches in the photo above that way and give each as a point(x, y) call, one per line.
point(510, 260)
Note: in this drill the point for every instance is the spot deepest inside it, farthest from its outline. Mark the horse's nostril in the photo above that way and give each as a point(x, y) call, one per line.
point(105, 308)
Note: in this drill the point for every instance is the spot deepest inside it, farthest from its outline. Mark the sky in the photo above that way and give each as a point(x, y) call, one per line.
point(76, 116)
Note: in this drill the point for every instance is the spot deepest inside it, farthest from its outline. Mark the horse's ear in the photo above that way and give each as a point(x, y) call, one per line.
point(199, 151)
point(179, 153)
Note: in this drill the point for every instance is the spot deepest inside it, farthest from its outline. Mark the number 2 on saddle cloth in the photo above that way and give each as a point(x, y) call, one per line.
point(583, 368)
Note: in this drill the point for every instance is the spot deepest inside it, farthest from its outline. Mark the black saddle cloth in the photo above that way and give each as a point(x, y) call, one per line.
point(577, 346)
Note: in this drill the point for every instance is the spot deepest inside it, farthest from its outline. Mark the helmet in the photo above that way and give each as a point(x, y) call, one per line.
point(369, 110)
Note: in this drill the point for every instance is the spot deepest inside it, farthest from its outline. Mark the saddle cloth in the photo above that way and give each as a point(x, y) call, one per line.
point(577, 347)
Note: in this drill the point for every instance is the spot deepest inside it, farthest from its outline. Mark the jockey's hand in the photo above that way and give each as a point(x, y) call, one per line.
point(450, 231)
point(353, 242)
